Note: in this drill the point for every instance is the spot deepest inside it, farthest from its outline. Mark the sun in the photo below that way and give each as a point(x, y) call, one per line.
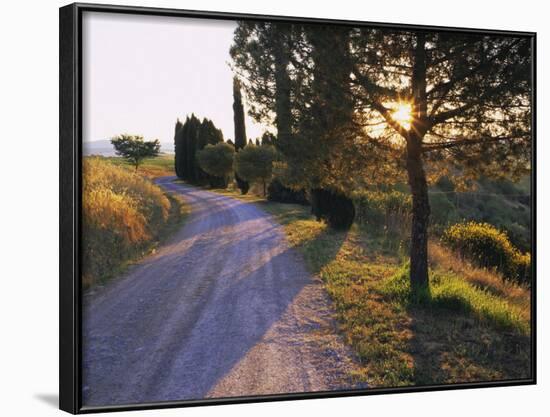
point(402, 114)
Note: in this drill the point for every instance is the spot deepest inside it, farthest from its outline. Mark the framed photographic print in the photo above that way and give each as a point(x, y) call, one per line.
point(259, 208)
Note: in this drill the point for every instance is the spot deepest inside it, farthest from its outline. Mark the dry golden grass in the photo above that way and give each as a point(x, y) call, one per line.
point(492, 281)
point(124, 215)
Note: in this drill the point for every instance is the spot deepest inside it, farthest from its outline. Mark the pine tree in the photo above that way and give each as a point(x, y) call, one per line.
point(327, 127)
point(263, 51)
point(459, 102)
point(423, 103)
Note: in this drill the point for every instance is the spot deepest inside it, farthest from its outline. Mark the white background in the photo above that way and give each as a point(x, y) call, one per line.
point(29, 206)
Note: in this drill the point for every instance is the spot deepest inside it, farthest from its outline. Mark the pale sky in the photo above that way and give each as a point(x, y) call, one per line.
point(140, 73)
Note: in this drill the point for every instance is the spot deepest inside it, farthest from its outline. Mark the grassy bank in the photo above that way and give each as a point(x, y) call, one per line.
point(125, 216)
point(159, 166)
point(471, 326)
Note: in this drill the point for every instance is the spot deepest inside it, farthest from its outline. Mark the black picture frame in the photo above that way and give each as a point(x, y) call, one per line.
point(70, 156)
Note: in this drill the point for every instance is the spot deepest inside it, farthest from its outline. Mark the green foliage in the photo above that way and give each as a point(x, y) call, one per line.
point(238, 115)
point(261, 53)
point(489, 247)
point(387, 211)
point(217, 161)
point(276, 191)
point(450, 292)
point(240, 130)
point(268, 138)
point(333, 93)
point(443, 211)
point(255, 163)
point(334, 207)
point(190, 137)
point(134, 149)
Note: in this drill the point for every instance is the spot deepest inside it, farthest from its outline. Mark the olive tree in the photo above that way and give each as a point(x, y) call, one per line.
point(255, 164)
point(217, 161)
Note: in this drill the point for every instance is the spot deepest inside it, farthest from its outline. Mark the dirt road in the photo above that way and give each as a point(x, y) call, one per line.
point(224, 308)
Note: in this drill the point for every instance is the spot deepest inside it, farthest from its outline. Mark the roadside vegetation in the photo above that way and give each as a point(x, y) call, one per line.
point(160, 166)
point(470, 324)
point(125, 216)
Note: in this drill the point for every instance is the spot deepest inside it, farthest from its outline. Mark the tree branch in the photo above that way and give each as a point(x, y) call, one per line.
point(386, 114)
point(369, 85)
point(365, 82)
point(428, 147)
point(447, 86)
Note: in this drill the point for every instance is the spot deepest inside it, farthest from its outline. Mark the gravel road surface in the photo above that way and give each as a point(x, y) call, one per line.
point(224, 308)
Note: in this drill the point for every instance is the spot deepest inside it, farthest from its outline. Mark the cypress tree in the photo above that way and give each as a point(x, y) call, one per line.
point(178, 141)
point(202, 141)
point(183, 158)
point(189, 138)
point(240, 129)
point(208, 134)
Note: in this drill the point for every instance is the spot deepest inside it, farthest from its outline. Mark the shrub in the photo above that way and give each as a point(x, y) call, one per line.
point(243, 185)
point(217, 161)
point(122, 213)
point(387, 211)
point(487, 246)
point(255, 164)
point(333, 207)
point(276, 191)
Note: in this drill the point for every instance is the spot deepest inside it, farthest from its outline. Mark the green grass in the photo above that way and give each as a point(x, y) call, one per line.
point(470, 327)
point(456, 332)
point(451, 292)
point(162, 165)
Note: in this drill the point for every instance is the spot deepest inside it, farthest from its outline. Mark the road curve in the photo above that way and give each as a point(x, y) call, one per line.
point(223, 309)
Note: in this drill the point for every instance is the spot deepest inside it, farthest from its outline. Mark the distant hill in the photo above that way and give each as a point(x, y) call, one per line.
point(104, 148)
point(502, 203)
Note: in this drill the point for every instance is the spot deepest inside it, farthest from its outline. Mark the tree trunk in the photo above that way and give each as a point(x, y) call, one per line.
point(415, 169)
point(420, 214)
point(283, 113)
